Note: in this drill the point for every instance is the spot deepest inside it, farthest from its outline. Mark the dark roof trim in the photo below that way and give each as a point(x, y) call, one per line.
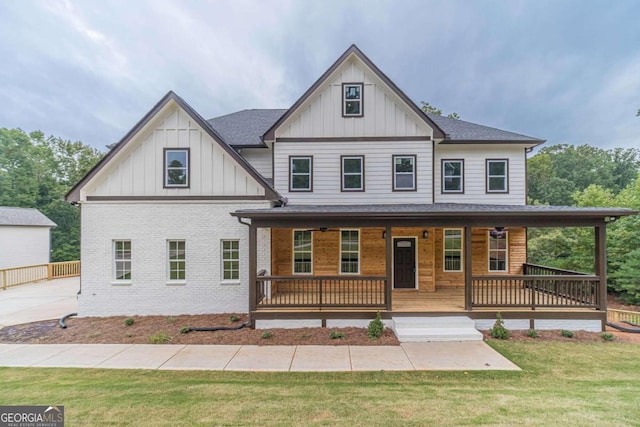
point(353, 49)
point(171, 198)
point(532, 142)
point(356, 139)
point(74, 194)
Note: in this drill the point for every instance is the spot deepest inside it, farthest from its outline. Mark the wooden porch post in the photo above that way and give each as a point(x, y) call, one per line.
point(601, 264)
point(253, 266)
point(389, 248)
point(468, 265)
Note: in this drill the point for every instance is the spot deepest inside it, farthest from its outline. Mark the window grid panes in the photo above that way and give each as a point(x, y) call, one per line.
point(177, 259)
point(349, 251)
point(352, 173)
point(122, 258)
point(177, 168)
point(452, 171)
point(302, 252)
point(497, 171)
point(498, 253)
point(352, 99)
point(404, 172)
point(230, 260)
point(300, 168)
point(452, 250)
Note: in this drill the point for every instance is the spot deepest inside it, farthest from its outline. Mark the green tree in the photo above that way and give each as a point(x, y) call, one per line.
point(428, 108)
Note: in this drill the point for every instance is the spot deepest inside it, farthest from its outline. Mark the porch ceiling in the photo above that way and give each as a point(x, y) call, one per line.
point(437, 214)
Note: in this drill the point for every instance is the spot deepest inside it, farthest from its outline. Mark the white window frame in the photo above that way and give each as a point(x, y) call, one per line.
point(345, 174)
point(167, 168)
point(445, 250)
point(445, 176)
point(345, 87)
point(292, 173)
point(121, 260)
point(414, 160)
point(357, 252)
point(505, 250)
point(171, 261)
point(293, 252)
point(505, 177)
point(234, 253)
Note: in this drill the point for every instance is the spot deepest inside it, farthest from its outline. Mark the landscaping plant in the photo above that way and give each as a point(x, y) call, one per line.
point(499, 331)
point(129, 321)
point(567, 334)
point(375, 328)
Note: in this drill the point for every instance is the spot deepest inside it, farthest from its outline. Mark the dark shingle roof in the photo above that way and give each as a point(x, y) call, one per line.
point(25, 217)
point(460, 130)
point(245, 128)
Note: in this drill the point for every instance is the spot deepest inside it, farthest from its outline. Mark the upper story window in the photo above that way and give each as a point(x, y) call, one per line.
point(498, 251)
point(452, 249)
point(352, 173)
point(176, 167)
point(352, 99)
point(497, 176)
point(404, 173)
point(301, 173)
point(452, 176)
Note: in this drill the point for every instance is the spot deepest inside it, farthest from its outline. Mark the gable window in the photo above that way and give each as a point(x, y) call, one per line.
point(349, 251)
point(177, 258)
point(300, 173)
point(497, 175)
point(498, 247)
point(404, 173)
point(122, 260)
point(230, 260)
point(352, 99)
point(302, 251)
point(453, 176)
point(452, 249)
point(176, 167)
point(352, 173)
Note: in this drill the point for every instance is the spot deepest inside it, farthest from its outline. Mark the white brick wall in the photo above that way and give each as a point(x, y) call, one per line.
point(149, 226)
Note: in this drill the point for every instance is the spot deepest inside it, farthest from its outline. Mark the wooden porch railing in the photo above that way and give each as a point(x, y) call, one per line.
point(320, 291)
point(617, 316)
point(16, 276)
point(574, 291)
point(537, 270)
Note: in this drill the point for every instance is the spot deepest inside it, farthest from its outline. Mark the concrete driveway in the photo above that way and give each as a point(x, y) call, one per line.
point(39, 301)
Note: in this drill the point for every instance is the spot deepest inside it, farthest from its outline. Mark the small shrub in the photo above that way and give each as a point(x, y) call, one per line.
point(607, 336)
point(234, 318)
point(160, 338)
point(336, 335)
point(375, 328)
point(532, 333)
point(171, 319)
point(499, 331)
point(185, 330)
point(266, 335)
point(129, 321)
point(566, 334)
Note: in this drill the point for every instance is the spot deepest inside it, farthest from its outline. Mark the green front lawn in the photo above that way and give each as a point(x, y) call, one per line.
point(561, 384)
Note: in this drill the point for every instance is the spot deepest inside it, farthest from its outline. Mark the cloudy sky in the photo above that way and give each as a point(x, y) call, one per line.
point(566, 71)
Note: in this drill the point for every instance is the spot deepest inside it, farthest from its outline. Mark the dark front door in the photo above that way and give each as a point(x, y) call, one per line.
point(404, 263)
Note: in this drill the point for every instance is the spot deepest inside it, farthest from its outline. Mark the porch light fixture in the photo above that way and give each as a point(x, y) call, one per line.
point(425, 234)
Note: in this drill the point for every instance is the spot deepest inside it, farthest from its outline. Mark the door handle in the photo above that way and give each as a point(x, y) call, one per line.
point(414, 268)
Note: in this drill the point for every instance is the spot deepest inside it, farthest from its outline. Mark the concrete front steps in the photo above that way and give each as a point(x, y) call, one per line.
point(447, 328)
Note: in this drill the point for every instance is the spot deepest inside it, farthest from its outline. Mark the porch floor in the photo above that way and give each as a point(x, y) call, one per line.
point(444, 299)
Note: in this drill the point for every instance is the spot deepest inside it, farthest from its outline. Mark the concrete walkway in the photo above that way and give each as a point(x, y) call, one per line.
point(431, 356)
point(39, 301)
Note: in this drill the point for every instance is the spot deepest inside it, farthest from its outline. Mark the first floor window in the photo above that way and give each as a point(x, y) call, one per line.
point(349, 251)
point(452, 176)
point(302, 251)
point(452, 249)
point(177, 259)
point(176, 167)
point(498, 246)
point(122, 259)
point(230, 260)
point(404, 173)
point(300, 174)
point(353, 173)
point(497, 176)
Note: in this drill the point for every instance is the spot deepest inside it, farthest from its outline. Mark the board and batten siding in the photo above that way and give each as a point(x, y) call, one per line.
point(378, 170)
point(475, 157)
point(260, 159)
point(385, 114)
point(139, 169)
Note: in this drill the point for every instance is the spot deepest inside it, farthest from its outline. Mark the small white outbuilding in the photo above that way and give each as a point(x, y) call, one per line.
point(25, 237)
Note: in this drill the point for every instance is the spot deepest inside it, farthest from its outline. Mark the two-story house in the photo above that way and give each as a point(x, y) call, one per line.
point(352, 201)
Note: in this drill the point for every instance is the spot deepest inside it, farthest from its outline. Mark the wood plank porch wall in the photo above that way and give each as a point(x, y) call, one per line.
point(431, 277)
